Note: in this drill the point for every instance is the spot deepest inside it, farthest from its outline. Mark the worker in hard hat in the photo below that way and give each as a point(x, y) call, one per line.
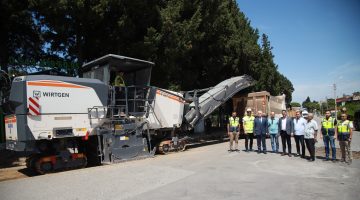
point(233, 131)
point(248, 125)
point(119, 79)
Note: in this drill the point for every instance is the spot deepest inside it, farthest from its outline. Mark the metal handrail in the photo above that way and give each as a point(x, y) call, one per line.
point(114, 106)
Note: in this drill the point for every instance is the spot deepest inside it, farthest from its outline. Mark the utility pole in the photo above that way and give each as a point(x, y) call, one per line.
point(321, 107)
point(335, 100)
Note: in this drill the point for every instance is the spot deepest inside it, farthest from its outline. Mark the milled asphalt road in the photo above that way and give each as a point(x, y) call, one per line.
point(208, 172)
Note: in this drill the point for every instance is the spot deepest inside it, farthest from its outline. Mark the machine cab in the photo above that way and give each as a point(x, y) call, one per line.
point(128, 98)
point(135, 72)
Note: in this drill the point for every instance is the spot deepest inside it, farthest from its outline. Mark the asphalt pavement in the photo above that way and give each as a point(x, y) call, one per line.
point(208, 172)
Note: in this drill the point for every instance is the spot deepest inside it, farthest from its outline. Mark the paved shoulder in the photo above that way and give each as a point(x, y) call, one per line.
point(208, 172)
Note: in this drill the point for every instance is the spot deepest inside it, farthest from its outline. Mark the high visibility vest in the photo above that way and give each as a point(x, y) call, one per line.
point(234, 122)
point(327, 127)
point(119, 81)
point(343, 130)
point(248, 124)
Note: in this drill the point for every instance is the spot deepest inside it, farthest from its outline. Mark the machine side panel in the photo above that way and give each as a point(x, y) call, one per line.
point(99, 87)
point(63, 109)
point(76, 124)
point(62, 97)
point(167, 111)
point(18, 96)
point(64, 106)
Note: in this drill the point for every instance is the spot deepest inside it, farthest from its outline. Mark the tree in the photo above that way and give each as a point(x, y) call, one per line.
point(267, 76)
point(330, 104)
point(80, 31)
point(295, 104)
point(351, 108)
point(286, 88)
point(307, 100)
point(311, 106)
point(194, 44)
point(19, 35)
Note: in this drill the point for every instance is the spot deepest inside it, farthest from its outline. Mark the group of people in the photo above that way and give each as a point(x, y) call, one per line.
point(303, 129)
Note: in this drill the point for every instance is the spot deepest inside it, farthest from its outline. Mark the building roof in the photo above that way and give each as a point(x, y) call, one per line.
point(343, 99)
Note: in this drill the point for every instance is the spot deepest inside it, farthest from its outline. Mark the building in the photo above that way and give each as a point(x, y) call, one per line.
point(348, 98)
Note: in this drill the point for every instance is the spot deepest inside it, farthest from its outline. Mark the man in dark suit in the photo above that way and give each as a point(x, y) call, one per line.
point(260, 130)
point(286, 127)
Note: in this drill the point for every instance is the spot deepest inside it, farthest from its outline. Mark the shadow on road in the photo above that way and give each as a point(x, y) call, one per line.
point(28, 172)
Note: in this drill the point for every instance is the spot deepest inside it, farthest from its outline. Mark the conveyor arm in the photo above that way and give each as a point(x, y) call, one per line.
point(203, 106)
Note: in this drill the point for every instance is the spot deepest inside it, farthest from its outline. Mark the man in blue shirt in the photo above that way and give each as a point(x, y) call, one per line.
point(298, 131)
point(273, 126)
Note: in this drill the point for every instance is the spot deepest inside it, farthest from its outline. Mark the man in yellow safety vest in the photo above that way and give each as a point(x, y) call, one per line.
point(248, 125)
point(328, 126)
point(233, 129)
point(344, 134)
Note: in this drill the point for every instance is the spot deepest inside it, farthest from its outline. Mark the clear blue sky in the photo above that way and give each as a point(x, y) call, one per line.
point(316, 42)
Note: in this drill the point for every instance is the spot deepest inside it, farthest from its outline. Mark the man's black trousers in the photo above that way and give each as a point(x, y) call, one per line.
point(285, 138)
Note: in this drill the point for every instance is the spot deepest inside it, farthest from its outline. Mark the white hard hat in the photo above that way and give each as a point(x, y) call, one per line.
point(248, 110)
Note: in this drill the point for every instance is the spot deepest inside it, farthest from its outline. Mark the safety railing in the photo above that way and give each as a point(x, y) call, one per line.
point(125, 101)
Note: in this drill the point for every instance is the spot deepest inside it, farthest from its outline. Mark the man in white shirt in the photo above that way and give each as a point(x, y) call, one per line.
point(310, 135)
point(298, 131)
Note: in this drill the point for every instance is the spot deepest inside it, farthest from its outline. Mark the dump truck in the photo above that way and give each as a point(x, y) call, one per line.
point(259, 101)
point(69, 122)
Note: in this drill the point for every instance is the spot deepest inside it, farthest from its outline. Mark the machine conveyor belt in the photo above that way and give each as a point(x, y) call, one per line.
point(207, 103)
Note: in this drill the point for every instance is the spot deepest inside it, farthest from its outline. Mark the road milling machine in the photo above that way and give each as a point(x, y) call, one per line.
point(67, 122)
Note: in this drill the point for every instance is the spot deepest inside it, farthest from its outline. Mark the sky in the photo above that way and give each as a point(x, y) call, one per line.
point(316, 43)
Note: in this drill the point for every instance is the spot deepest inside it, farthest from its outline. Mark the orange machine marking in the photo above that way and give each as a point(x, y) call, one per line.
point(170, 96)
point(54, 84)
point(9, 120)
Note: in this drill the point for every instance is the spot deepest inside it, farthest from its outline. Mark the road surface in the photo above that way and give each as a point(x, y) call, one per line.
point(208, 172)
